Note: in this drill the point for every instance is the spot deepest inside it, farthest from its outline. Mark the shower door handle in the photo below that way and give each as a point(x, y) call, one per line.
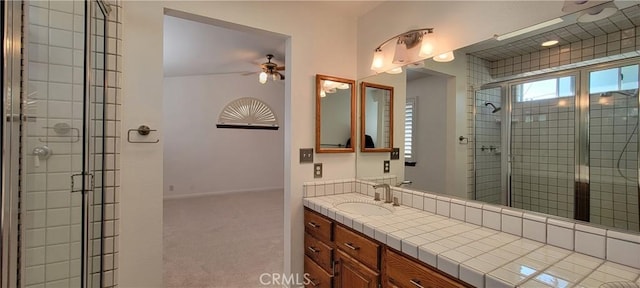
point(88, 177)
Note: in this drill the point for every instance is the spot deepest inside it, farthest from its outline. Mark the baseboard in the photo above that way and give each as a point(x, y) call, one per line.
point(202, 194)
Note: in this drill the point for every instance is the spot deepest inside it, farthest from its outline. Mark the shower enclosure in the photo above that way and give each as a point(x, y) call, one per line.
point(564, 144)
point(53, 137)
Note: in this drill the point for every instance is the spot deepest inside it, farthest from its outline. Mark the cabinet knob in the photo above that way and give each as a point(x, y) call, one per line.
point(314, 225)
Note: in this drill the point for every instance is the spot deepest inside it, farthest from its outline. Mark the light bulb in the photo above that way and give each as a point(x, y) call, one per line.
point(427, 46)
point(378, 60)
point(274, 76)
point(263, 77)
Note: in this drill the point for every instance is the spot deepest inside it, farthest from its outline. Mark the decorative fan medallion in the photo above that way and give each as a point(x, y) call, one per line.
point(247, 113)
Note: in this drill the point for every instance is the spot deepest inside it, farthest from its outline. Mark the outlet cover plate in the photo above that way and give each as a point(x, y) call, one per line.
point(306, 155)
point(387, 166)
point(395, 154)
point(317, 170)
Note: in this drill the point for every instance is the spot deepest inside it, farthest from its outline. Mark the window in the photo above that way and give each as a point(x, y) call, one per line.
point(409, 126)
point(545, 89)
point(614, 79)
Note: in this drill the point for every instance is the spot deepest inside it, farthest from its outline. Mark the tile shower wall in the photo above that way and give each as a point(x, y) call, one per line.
point(51, 248)
point(613, 158)
point(543, 160)
point(111, 180)
point(612, 46)
point(478, 75)
point(488, 137)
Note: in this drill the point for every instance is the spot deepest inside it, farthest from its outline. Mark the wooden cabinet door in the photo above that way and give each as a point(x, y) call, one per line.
point(352, 274)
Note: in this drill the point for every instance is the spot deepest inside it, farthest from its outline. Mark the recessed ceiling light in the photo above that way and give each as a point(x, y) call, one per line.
point(549, 43)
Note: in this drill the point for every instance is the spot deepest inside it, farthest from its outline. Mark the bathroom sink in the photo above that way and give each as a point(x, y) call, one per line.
point(364, 208)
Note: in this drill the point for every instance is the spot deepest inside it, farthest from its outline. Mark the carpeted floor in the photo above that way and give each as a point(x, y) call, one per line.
point(224, 240)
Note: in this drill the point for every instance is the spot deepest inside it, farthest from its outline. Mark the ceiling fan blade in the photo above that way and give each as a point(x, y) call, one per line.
point(281, 75)
point(250, 73)
point(280, 68)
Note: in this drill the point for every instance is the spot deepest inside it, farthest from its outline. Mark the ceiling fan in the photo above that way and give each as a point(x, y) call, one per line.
point(270, 68)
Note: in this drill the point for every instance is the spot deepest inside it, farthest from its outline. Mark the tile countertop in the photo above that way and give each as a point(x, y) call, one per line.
point(480, 256)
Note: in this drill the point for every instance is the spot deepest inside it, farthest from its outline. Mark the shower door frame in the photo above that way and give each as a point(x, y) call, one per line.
point(13, 20)
point(505, 195)
point(11, 88)
point(581, 130)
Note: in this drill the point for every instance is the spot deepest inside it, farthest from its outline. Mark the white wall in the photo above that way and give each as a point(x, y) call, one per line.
point(200, 158)
point(142, 166)
point(430, 132)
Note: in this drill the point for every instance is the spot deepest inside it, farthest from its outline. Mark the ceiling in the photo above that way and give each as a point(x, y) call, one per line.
point(194, 48)
point(493, 50)
point(205, 47)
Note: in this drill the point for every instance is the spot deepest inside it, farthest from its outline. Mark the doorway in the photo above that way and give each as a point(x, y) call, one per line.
point(224, 180)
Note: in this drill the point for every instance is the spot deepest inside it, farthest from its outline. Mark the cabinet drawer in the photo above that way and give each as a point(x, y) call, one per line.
point(316, 278)
point(358, 247)
point(317, 225)
point(320, 252)
point(406, 273)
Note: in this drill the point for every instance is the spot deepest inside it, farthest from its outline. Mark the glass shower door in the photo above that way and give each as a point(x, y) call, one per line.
point(613, 146)
point(62, 145)
point(543, 145)
point(487, 146)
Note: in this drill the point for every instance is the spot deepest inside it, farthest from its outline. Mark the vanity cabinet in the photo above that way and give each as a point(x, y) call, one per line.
point(339, 257)
point(350, 273)
point(403, 272)
point(318, 260)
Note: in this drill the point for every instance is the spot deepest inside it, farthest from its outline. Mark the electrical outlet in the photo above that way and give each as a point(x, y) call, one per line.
point(395, 154)
point(306, 155)
point(387, 166)
point(317, 170)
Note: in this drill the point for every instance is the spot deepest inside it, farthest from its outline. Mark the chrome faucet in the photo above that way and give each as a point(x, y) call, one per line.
point(405, 182)
point(387, 191)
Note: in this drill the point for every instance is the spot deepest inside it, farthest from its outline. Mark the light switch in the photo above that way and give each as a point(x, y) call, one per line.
point(395, 154)
point(306, 155)
point(317, 170)
point(387, 166)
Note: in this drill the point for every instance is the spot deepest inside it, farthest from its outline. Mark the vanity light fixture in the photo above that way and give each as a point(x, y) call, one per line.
point(396, 70)
point(444, 57)
point(549, 43)
point(597, 13)
point(410, 47)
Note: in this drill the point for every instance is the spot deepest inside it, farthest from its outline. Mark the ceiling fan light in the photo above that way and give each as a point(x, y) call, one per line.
point(378, 60)
point(262, 77)
point(274, 76)
point(427, 45)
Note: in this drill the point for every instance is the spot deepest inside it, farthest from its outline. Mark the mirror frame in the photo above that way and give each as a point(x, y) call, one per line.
point(363, 105)
point(352, 83)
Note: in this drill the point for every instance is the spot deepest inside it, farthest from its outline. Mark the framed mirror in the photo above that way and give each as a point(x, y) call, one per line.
point(376, 133)
point(335, 114)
